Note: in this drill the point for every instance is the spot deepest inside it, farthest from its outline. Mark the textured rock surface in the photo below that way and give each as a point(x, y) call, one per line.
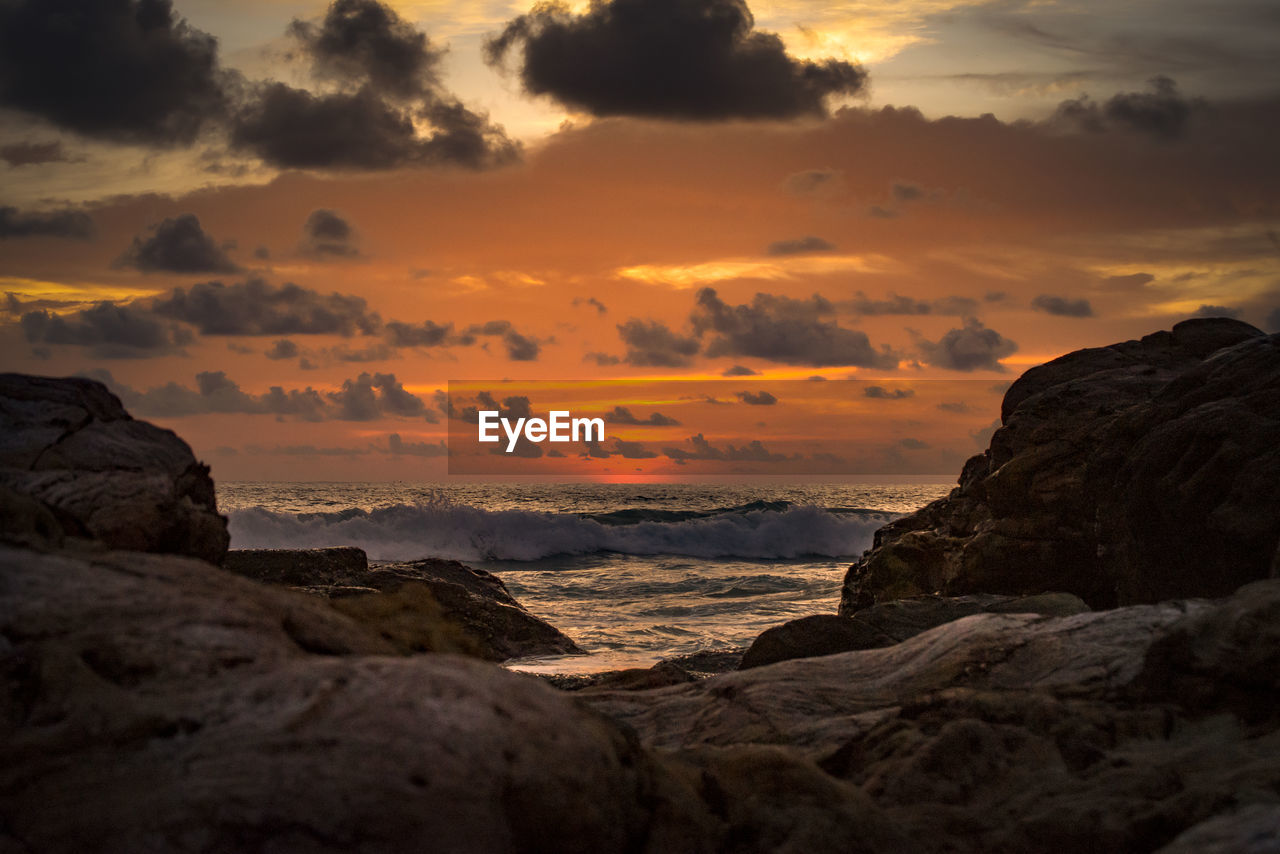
point(70, 447)
point(670, 671)
point(1132, 473)
point(155, 703)
point(1108, 731)
point(891, 622)
point(411, 605)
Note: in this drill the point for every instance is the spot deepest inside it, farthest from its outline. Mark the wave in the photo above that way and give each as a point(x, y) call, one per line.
point(761, 530)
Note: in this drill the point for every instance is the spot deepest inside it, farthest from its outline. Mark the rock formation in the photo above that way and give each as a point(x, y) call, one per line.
point(1133, 473)
point(411, 604)
point(72, 458)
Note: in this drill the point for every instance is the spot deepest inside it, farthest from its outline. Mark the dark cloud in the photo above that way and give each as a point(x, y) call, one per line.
point(969, 348)
point(814, 182)
point(782, 329)
point(738, 371)
point(623, 415)
point(903, 192)
point(675, 59)
point(516, 406)
point(398, 447)
point(388, 85)
point(64, 223)
point(216, 393)
point(520, 348)
point(325, 233)
point(1131, 281)
point(604, 360)
point(123, 70)
point(1217, 311)
point(757, 398)
point(426, 334)
point(632, 450)
point(1062, 306)
point(255, 307)
point(799, 246)
point(283, 349)
point(913, 444)
point(34, 153)
point(881, 393)
point(753, 451)
point(895, 304)
point(372, 396)
point(593, 303)
point(651, 344)
point(363, 40)
point(109, 330)
point(177, 245)
point(1162, 112)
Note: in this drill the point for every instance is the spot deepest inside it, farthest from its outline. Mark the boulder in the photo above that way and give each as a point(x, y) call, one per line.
point(412, 605)
point(69, 448)
point(1139, 472)
point(156, 703)
point(891, 622)
point(669, 671)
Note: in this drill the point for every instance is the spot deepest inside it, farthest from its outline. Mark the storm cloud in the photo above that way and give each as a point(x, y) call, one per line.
point(674, 59)
point(177, 245)
point(652, 344)
point(1062, 306)
point(1163, 112)
point(120, 70)
point(782, 329)
point(256, 307)
point(972, 347)
point(64, 223)
point(108, 330)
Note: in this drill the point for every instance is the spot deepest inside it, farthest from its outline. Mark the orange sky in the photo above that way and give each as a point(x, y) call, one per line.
point(962, 247)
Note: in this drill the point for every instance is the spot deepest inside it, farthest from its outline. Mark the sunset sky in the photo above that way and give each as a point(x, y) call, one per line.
point(282, 228)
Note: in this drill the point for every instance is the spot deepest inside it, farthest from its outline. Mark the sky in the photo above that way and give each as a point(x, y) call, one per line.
point(282, 228)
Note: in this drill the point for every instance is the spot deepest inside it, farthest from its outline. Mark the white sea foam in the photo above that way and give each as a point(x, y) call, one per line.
point(463, 532)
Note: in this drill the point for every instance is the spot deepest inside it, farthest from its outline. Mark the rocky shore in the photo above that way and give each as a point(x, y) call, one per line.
point(1077, 650)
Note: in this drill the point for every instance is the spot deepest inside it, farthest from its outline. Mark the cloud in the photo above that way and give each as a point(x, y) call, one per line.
point(957, 406)
point(814, 182)
point(903, 192)
point(673, 59)
point(325, 233)
point(120, 70)
point(255, 307)
point(177, 245)
point(753, 451)
point(623, 415)
point(386, 73)
point(399, 448)
point(372, 396)
point(971, 347)
point(1062, 306)
point(1163, 112)
point(1216, 311)
point(881, 393)
point(738, 371)
point(27, 153)
point(757, 398)
point(363, 40)
point(782, 329)
point(799, 246)
point(520, 348)
point(903, 305)
point(426, 334)
point(593, 303)
point(913, 444)
point(651, 344)
point(109, 330)
point(632, 450)
point(282, 349)
point(64, 223)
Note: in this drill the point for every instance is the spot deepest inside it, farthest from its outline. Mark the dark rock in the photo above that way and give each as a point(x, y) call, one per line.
point(669, 671)
point(1138, 472)
point(412, 605)
point(891, 622)
point(69, 445)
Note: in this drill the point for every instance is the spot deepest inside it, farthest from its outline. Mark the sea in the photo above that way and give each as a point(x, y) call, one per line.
point(634, 573)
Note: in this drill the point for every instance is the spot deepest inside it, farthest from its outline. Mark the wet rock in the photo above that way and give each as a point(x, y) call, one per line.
point(891, 622)
point(415, 606)
point(669, 671)
point(1138, 472)
point(69, 445)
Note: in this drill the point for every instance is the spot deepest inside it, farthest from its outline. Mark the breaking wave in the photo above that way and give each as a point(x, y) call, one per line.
point(759, 530)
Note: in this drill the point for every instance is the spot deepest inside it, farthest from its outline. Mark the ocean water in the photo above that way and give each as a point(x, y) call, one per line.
point(634, 573)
